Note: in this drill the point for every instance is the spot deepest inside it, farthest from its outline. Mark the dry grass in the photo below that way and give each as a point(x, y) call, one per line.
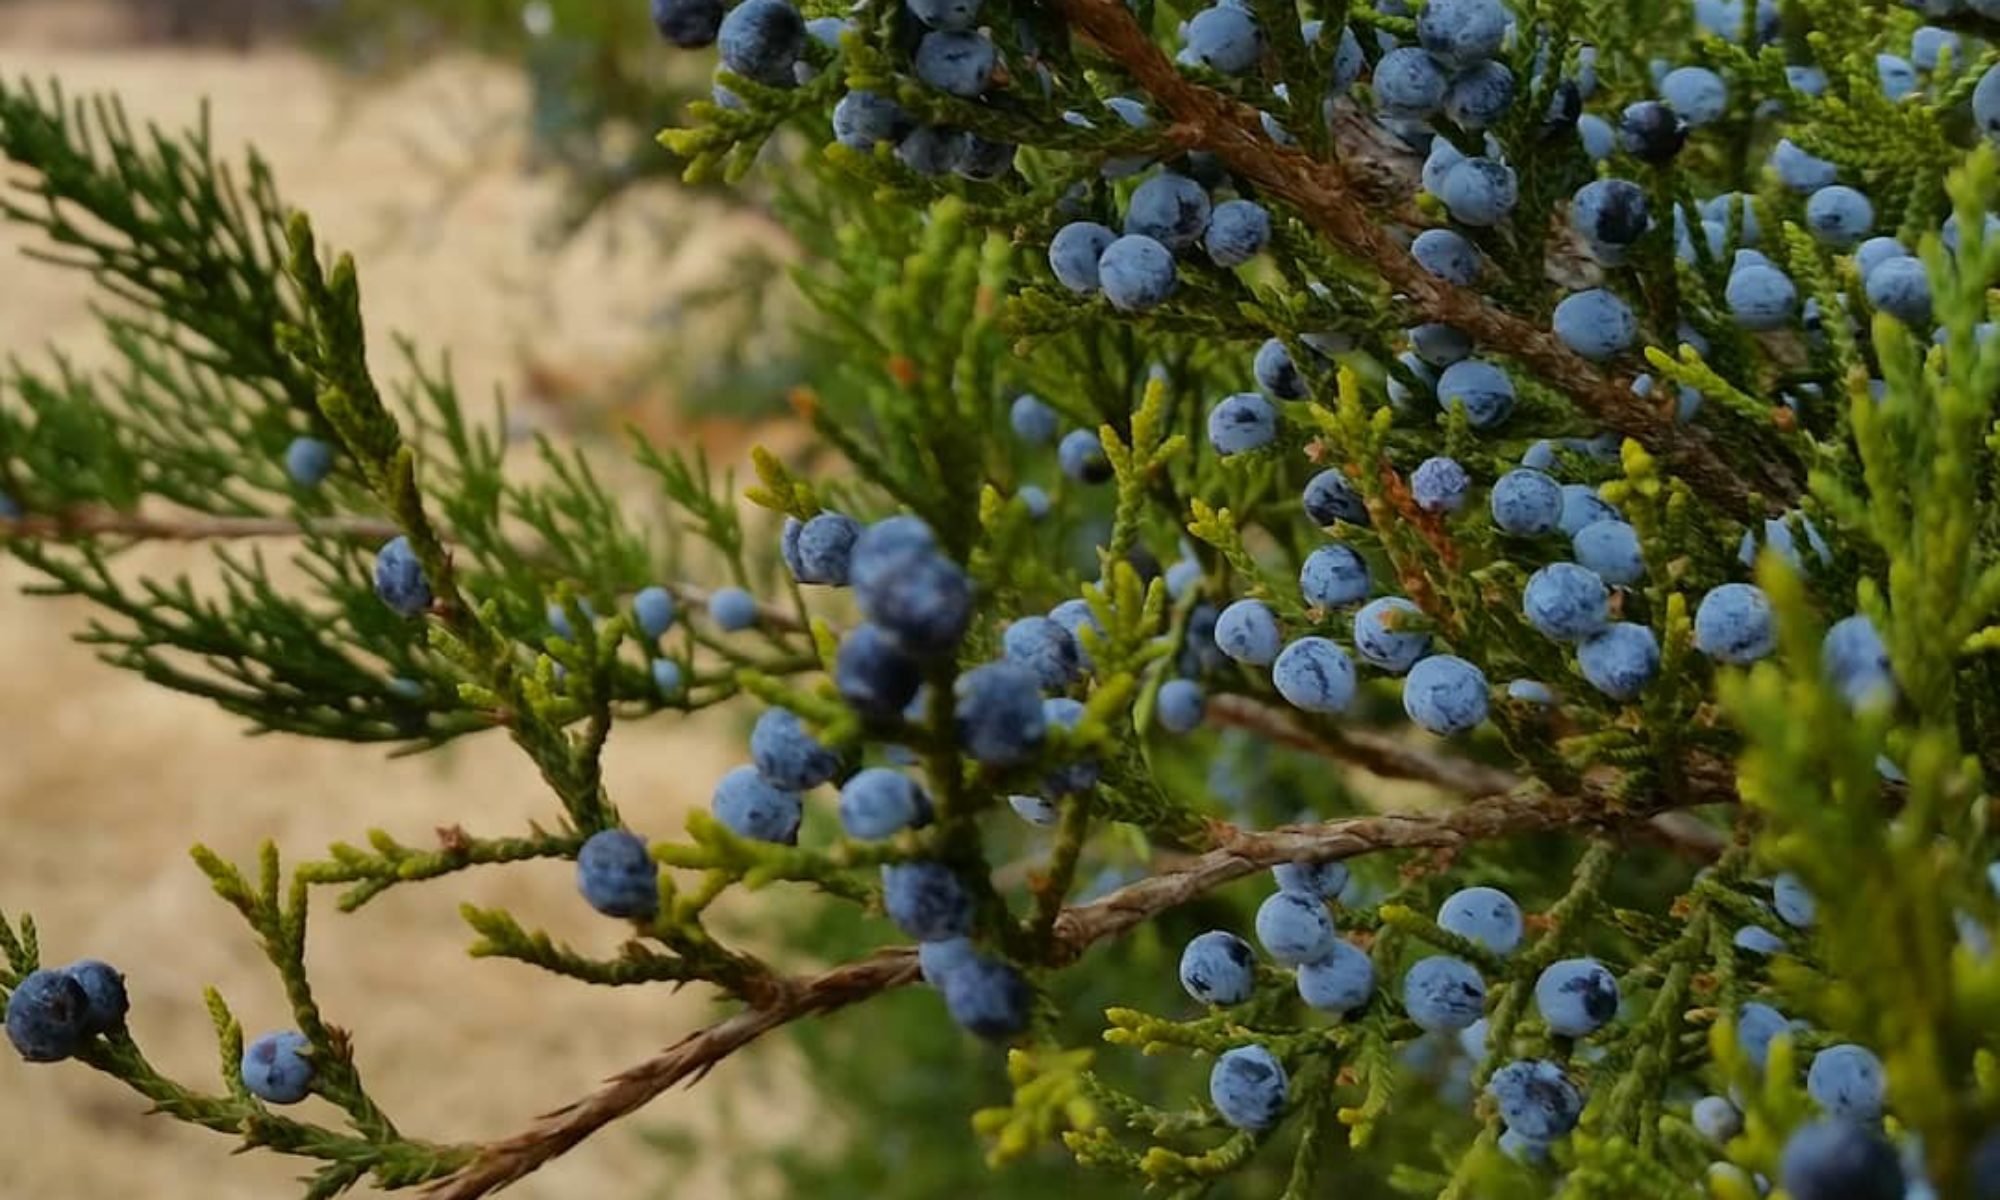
point(104, 781)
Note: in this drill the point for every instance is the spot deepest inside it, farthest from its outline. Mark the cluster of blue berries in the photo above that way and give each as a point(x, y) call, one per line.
point(1168, 214)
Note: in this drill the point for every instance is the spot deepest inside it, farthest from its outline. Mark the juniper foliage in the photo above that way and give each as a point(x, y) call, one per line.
point(1639, 795)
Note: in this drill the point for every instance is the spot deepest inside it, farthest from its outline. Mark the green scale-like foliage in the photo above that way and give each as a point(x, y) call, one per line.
point(1641, 830)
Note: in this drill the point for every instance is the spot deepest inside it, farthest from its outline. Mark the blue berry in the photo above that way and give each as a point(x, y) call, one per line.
point(1986, 103)
point(1610, 548)
point(689, 24)
point(1761, 298)
point(1839, 216)
point(1876, 251)
point(1179, 705)
point(1238, 230)
point(1801, 171)
point(826, 549)
point(1276, 372)
point(937, 959)
point(1479, 96)
point(1620, 661)
point(1182, 578)
point(787, 754)
point(1241, 423)
point(1526, 503)
point(1929, 45)
point(667, 680)
point(1595, 324)
point(1896, 75)
point(1340, 982)
point(617, 876)
point(1247, 631)
point(308, 461)
point(1576, 997)
point(1733, 624)
point(945, 14)
point(1716, 1119)
point(919, 597)
point(1651, 132)
point(974, 157)
point(863, 118)
point(928, 150)
point(1696, 93)
point(1445, 695)
point(1755, 939)
point(1249, 1088)
point(1035, 810)
point(1075, 616)
point(1046, 649)
point(1136, 273)
point(1323, 879)
point(874, 674)
point(1535, 1099)
point(1444, 994)
point(1566, 602)
point(1521, 1148)
point(1438, 162)
point(1314, 675)
point(1219, 968)
point(1902, 288)
point(277, 1068)
point(1330, 498)
point(926, 900)
point(653, 611)
point(1073, 257)
point(959, 63)
point(1446, 254)
point(987, 997)
point(1440, 485)
point(750, 806)
point(999, 713)
point(1439, 344)
point(1333, 576)
point(1792, 902)
point(399, 579)
point(878, 803)
point(1846, 1081)
point(1598, 138)
point(1806, 80)
point(1408, 83)
point(1079, 775)
point(1480, 191)
point(761, 39)
point(1171, 209)
point(1035, 500)
point(1484, 390)
point(1833, 1159)
point(1724, 19)
point(1757, 1026)
point(1611, 215)
point(1294, 927)
point(1485, 915)
point(48, 1017)
point(827, 30)
point(1463, 32)
point(732, 609)
point(1530, 691)
point(1720, 207)
point(104, 990)
point(1854, 658)
point(1225, 39)
point(1388, 634)
point(1081, 457)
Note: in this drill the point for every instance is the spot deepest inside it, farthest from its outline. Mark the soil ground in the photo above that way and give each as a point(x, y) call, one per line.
point(105, 780)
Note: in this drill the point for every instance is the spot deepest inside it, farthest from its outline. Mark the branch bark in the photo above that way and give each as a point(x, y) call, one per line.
point(1332, 202)
point(1237, 853)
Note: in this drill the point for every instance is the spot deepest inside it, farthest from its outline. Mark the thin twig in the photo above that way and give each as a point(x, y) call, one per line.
point(92, 521)
point(1330, 200)
point(1399, 758)
point(1238, 853)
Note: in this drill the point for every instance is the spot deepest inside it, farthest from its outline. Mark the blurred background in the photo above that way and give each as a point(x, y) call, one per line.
point(496, 179)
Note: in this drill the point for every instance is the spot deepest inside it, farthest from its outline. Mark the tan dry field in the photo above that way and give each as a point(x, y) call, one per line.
point(104, 781)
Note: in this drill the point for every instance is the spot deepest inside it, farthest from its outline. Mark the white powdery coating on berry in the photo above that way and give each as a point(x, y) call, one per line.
point(1485, 915)
point(1294, 927)
point(1620, 661)
point(1340, 982)
point(1249, 1088)
point(1445, 695)
point(1334, 576)
point(1386, 636)
point(1576, 997)
point(1596, 324)
point(1444, 994)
